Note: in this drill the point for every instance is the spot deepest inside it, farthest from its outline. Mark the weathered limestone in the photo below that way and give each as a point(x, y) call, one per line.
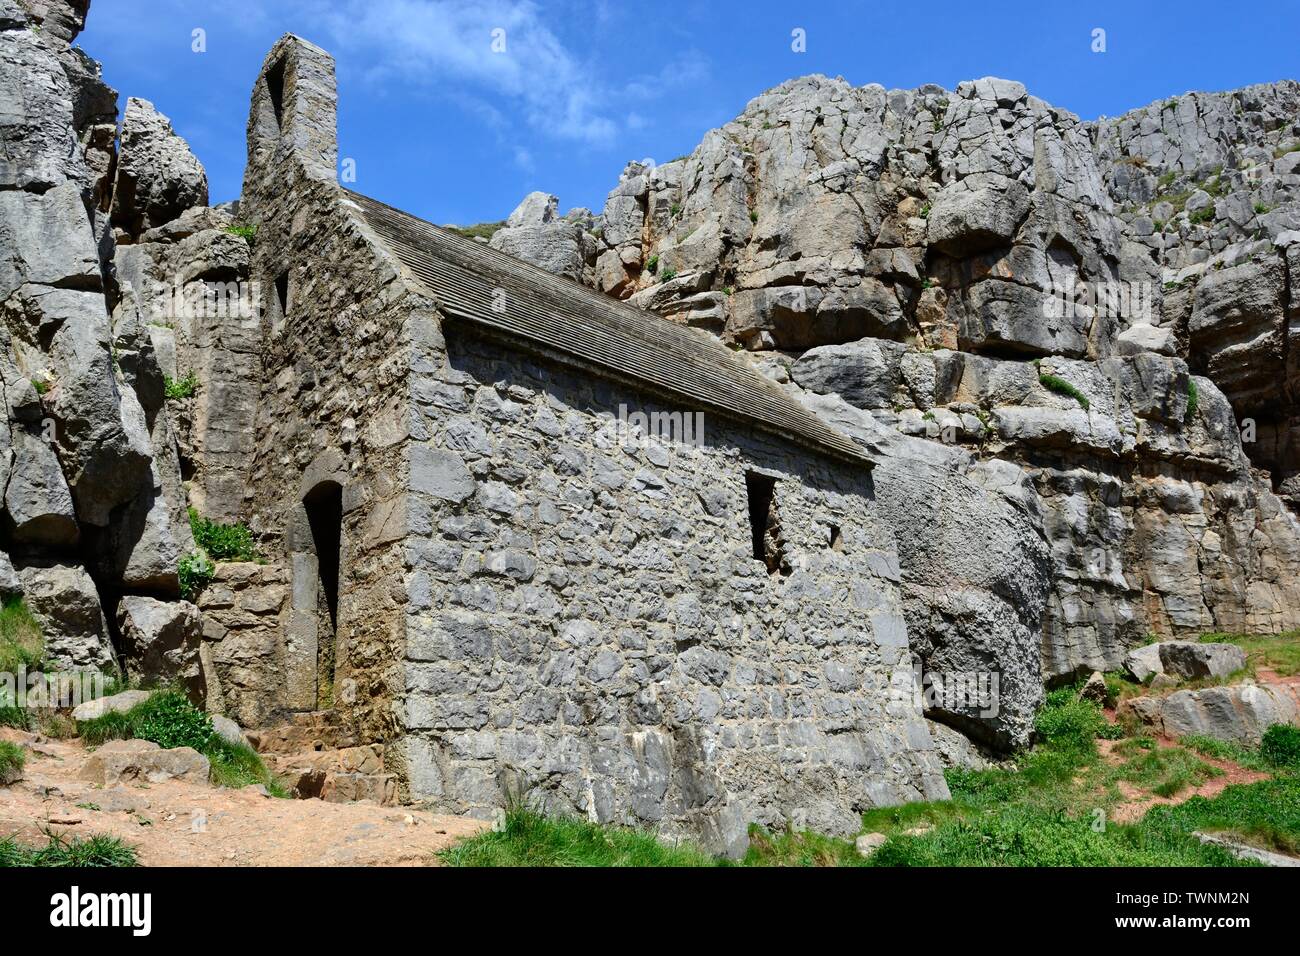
point(143, 761)
point(158, 178)
point(161, 641)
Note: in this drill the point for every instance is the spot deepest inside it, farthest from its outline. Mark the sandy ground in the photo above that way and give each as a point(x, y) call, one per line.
point(183, 824)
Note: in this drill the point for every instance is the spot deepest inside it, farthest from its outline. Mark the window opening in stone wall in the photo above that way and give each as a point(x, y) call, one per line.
point(324, 506)
point(765, 522)
point(835, 537)
point(275, 86)
point(282, 293)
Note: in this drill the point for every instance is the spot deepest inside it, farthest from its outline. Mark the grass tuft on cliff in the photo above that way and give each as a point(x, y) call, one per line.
point(1054, 383)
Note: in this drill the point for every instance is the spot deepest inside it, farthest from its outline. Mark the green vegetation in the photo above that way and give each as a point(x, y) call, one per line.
point(170, 720)
point(245, 231)
point(21, 642)
point(796, 848)
point(1193, 400)
point(1204, 214)
point(223, 542)
point(1262, 207)
point(674, 210)
point(41, 384)
point(12, 758)
point(925, 211)
point(1166, 180)
point(668, 274)
point(180, 388)
point(1059, 385)
point(652, 264)
point(97, 851)
point(753, 216)
point(1266, 814)
point(483, 230)
point(1283, 150)
point(1281, 746)
point(528, 839)
point(195, 572)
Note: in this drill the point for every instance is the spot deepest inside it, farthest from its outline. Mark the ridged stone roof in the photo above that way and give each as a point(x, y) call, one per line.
point(562, 316)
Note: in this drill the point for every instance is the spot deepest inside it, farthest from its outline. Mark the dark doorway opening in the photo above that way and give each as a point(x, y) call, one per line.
point(324, 507)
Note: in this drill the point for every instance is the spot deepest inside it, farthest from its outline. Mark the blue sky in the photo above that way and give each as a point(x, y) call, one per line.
point(441, 125)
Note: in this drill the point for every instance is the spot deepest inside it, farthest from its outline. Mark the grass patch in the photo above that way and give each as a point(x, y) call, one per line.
point(529, 839)
point(93, 851)
point(796, 848)
point(1281, 746)
point(1193, 400)
point(1202, 215)
point(1266, 814)
point(181, 388)
point(1165, 771)
point(223, 542)
point(21, 641)
point(1242, 756)
point(170, 720)
point(12, 758)
point(1060, 386)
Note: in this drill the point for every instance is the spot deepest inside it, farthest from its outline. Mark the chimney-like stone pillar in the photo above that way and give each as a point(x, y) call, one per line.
point(293, 116)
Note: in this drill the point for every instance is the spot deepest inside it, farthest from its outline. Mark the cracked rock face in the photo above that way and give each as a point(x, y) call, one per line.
point(158, 178)
point(88, 458)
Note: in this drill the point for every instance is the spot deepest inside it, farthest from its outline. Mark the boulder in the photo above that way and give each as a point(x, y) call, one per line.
point(143, 761)
point(161, 640)
point(158, 178)
point(868, 843)
point(115, 704)
point(866, 374)
point(1240, 713)
point(954, 748)
point(1094, 689)
point(977, 213)
point(228, 730)
point(1191, 659)
point(1143, 662)
point(65, 603)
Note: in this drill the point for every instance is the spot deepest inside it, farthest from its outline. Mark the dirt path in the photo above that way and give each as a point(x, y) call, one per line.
point(1138, 801)
point(183, 824)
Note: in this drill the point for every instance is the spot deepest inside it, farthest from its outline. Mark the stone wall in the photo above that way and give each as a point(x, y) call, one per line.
point(587, 621)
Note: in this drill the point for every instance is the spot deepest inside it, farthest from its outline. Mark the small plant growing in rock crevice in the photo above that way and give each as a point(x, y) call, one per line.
point(195, 572)
point(1193, 401)
point(181, 388)
point(652, 264)
point(223, 542)
point(245, 231)
point(1054, 383)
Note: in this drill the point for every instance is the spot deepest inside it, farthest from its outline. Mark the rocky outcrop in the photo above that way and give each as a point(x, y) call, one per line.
point(158, 177)
point(1239, 713)
point(90, 474)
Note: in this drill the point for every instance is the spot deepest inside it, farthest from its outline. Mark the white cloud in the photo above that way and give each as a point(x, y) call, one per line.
point(437, 43)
